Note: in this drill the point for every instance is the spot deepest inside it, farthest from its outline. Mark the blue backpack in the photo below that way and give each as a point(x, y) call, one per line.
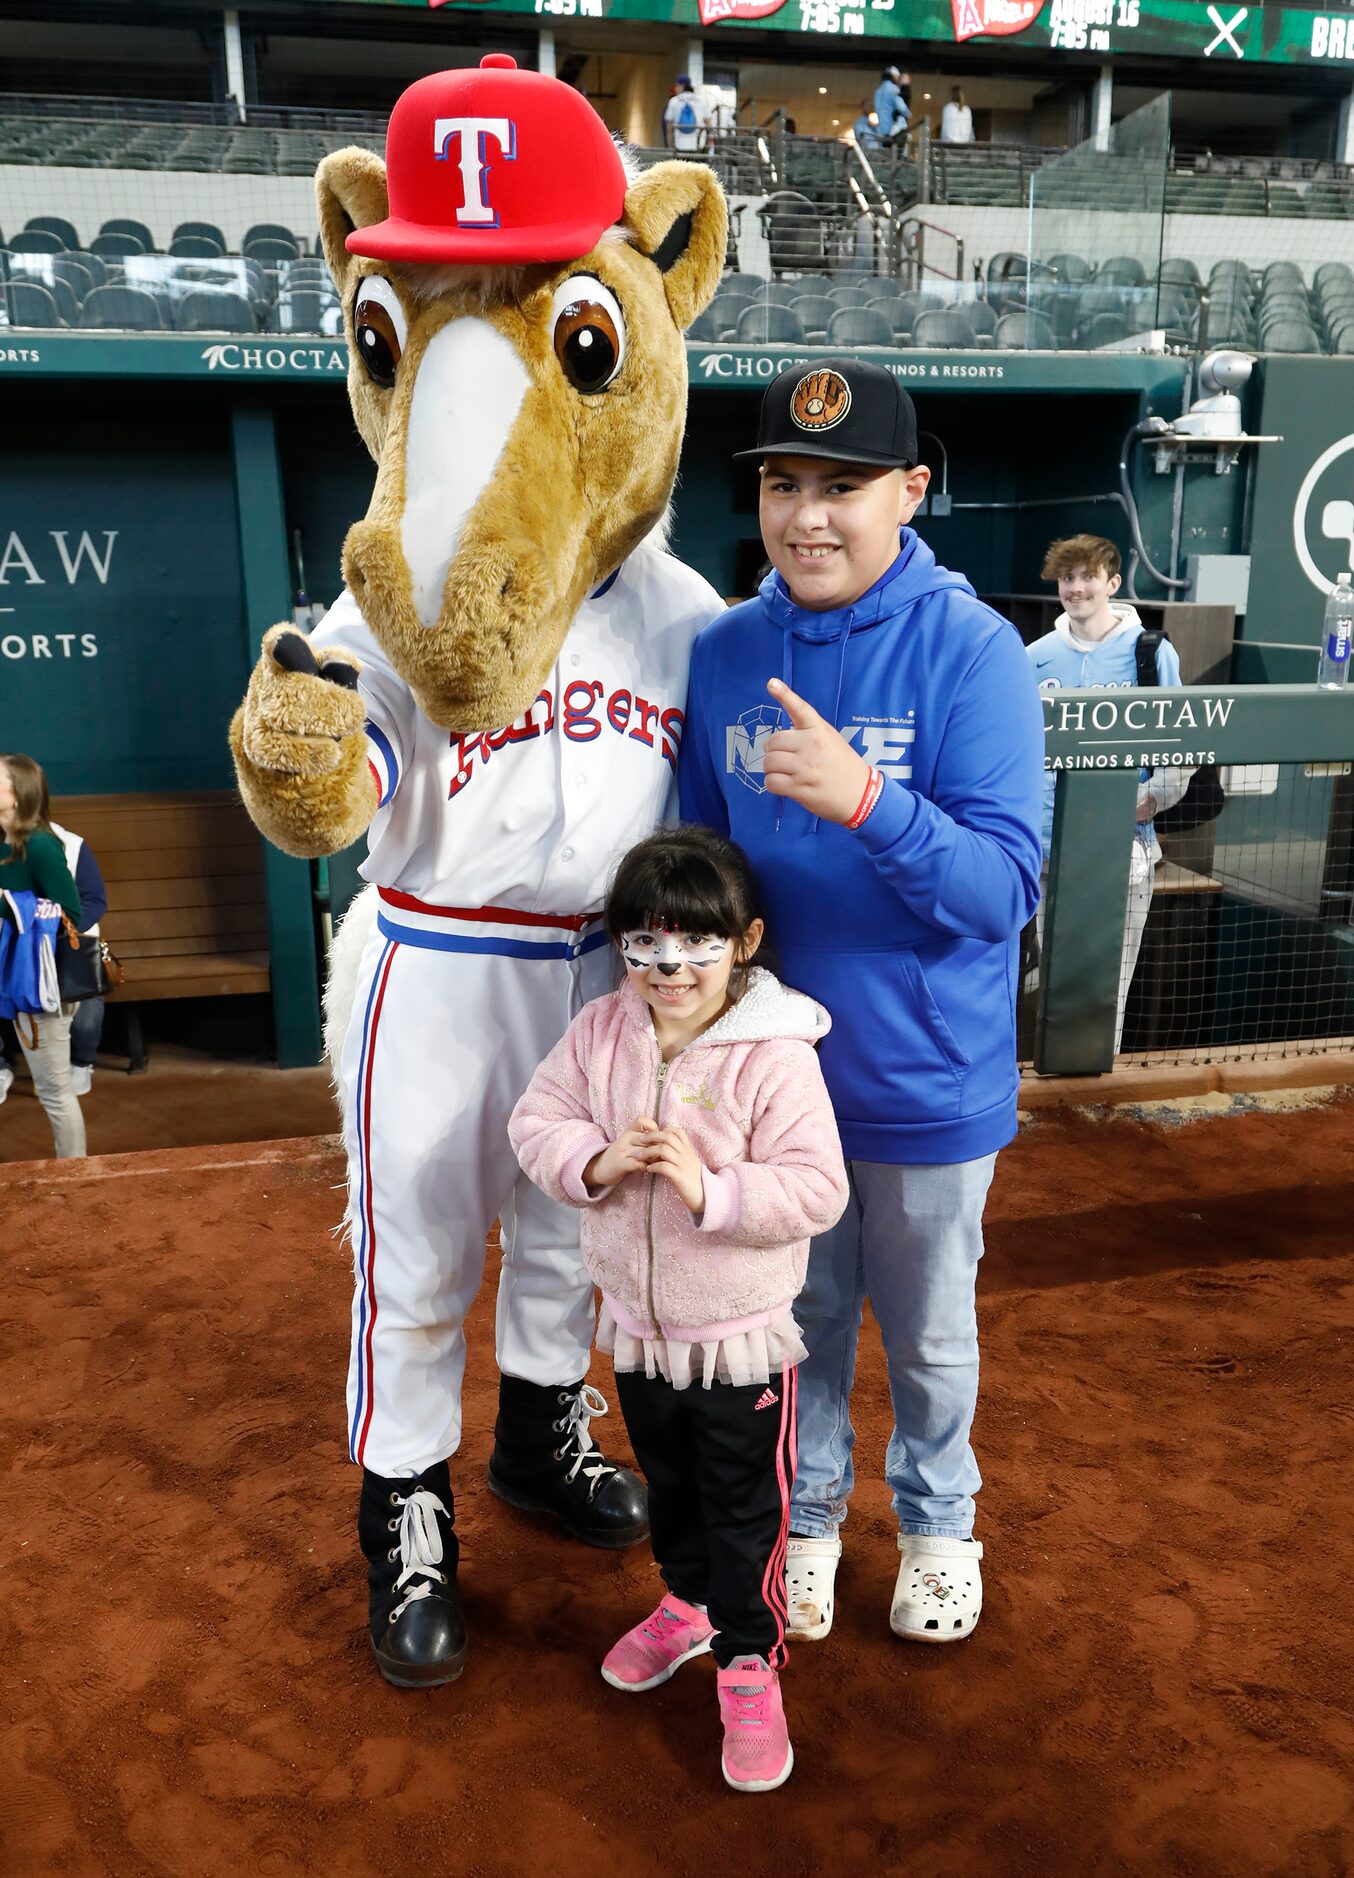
point(687, 118)
point(28, 986)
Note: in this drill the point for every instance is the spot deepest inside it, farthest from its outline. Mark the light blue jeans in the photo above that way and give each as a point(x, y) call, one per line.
point(909, 1240)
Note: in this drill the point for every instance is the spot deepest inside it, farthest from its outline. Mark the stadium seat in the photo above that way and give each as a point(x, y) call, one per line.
point(44, 271)
point(857, 293)
point(215, 311)
point(269, 249)
point(815, 310)
point(859, 326)
point(782, 292)
point(904, 312)
point(195, 247)
point(207, 230)
point(1285, 271)
point(762, 325)
point(268, 231)
point(53, 225)
point(121, 226)
point(742, 286)
point(1179, 270)
point(302, 312)
point(882, 291)
point(1025, 332)
point(93, 266)
point(29, 303)
point(948, 327)
point(1289, 336)
point(703, 329)
point(1331, 272)
point(981, 317)
point(76, 272)
point(1070, 267)
point(115, 247)
point(122, 309)
point(1105, 329)
point(36, 241)
point(1122, 270)
point(724, 314)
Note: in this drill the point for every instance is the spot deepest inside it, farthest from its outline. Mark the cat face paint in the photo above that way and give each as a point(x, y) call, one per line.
point(669, 951)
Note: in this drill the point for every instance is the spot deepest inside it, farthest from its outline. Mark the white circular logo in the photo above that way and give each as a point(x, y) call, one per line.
point(1337, 518)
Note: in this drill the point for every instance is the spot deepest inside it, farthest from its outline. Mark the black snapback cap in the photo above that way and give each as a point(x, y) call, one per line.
point(845, 409)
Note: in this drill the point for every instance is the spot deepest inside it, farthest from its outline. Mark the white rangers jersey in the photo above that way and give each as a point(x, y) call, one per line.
point(535, 814)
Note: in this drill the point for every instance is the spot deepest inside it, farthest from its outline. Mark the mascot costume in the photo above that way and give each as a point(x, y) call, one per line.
point(496, 702)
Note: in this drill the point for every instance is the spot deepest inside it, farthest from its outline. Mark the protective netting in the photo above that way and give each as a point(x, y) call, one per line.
point(152, 217)
point(1248, 950)
point(1244, 948)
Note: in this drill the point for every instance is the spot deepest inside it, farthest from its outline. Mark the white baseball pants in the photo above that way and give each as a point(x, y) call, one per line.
point(451, 1018)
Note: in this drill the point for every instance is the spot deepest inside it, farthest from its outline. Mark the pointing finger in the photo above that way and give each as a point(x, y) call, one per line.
point(800, 713)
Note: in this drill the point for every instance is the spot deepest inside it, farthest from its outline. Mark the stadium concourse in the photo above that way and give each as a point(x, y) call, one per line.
point(1160, 1683)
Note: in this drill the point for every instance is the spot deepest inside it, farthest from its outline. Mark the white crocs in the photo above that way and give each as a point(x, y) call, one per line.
point(810, 1573)
point(939, 1594)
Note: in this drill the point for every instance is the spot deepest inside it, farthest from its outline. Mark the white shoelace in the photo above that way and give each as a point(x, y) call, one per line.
point(574, 1427)
point(420, 1546)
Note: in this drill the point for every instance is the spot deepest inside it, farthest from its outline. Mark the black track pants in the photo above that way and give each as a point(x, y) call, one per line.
point(720, 1465)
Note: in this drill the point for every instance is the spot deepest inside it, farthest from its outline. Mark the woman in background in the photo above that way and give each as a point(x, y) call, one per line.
point(32, 860)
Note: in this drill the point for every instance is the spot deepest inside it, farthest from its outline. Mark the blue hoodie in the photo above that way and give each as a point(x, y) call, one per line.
point(907, 928)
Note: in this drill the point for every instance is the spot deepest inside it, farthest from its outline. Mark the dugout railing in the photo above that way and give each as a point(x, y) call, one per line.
point(1266, 892)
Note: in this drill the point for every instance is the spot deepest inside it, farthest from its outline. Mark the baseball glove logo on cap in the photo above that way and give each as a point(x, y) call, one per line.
point(820, 400)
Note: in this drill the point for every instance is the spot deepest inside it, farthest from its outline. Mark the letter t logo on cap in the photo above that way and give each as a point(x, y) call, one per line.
point(474, 132)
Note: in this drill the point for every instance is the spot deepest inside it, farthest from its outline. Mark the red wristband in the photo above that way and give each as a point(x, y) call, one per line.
point(874, 788)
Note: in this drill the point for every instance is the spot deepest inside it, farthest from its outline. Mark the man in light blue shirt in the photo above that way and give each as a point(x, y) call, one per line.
point(890, 106)
point(1093, 642)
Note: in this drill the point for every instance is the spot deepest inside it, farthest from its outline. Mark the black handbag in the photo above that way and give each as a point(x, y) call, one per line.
point(82, 965)
point(1204, 798)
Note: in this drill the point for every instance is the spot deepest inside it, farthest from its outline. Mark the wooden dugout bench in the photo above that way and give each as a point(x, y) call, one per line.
point(187, 911)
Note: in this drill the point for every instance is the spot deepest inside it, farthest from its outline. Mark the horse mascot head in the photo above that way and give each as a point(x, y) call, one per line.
point(514, 304)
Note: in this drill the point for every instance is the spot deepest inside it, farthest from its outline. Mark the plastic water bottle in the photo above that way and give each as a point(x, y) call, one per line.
point(1336, 633)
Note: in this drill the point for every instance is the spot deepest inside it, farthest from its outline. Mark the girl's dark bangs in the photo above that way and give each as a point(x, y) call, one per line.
point(689, 897)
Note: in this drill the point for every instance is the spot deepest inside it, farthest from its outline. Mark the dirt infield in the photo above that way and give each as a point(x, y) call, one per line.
point(1161, 1682)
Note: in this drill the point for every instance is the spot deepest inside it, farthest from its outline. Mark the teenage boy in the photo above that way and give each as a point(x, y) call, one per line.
point(1093, 642)
point(887, 791)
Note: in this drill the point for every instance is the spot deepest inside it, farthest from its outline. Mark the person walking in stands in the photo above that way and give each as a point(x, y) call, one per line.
point(865, 129)
point(956, 120)
point(686, 1115)
point(890, 105)
point(685, 120)
point(32, 860)
point(1093, 642)
point(887, 793)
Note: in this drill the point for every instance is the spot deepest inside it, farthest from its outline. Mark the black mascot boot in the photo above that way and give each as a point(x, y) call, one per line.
point(545, 1461)
point(417, 1625)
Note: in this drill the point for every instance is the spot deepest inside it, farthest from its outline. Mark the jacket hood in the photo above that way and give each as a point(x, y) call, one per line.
point(766, 1009)
point(1125, 620)
point(913, 576)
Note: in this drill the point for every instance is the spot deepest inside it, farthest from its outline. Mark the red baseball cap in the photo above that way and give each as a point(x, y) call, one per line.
point(494, 165)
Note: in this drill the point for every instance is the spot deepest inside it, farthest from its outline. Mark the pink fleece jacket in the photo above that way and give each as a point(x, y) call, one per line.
point(751, 1096)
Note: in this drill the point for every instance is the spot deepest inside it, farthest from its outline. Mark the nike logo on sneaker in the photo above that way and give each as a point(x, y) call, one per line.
point(767, 1399)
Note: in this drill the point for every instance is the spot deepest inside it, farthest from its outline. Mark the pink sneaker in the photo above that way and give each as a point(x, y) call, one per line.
point(757, 1753)
point(657, 1648)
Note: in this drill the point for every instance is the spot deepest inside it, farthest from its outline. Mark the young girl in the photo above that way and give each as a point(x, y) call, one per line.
point(687, 1115)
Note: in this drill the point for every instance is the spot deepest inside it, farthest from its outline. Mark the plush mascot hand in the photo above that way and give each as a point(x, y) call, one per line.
point(299, 747)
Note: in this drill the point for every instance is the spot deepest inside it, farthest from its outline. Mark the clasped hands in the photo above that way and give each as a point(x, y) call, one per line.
point(645, 1148)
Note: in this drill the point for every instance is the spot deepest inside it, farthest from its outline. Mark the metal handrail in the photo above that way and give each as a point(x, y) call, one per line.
point(916, 249)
